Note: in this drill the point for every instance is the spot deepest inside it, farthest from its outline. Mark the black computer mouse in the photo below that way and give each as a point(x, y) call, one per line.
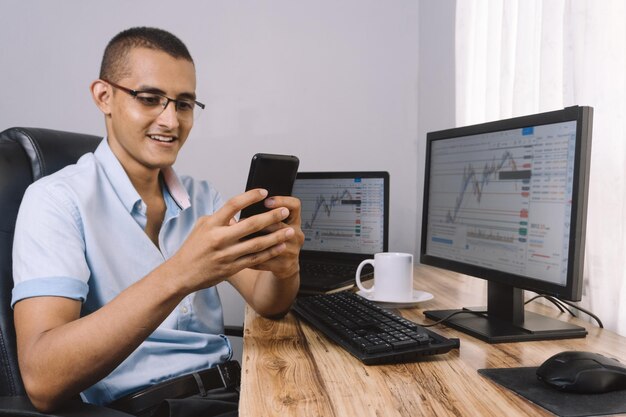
point(583, 372)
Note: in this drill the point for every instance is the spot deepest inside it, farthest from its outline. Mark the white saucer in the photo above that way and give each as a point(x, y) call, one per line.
point(418, 297)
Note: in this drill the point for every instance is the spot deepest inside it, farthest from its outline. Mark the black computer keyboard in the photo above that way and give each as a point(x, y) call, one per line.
point(370, 333)
point(321, 270)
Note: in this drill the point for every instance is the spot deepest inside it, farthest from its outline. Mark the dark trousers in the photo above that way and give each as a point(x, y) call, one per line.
point(219, 402)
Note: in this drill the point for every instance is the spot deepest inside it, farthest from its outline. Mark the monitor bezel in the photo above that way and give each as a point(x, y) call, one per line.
point(572, 290)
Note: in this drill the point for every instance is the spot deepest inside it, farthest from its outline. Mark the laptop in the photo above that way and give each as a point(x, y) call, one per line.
point(345, 219)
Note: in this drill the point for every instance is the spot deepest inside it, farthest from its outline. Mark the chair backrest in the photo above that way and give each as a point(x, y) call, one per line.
point(26, 154)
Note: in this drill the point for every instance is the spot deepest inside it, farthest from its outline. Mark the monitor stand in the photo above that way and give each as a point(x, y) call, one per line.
point(506, 320)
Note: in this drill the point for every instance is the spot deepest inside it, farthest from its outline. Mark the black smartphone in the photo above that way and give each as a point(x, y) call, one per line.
point(275, 173)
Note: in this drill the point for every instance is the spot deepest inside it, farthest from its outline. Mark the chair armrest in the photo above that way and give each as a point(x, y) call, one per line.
point(236, 331)
point(21, 406)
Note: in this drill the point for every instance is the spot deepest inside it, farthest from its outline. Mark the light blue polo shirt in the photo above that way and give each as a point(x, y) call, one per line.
point(80, 234)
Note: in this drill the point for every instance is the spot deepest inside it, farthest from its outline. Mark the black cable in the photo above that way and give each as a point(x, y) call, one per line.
point(560, 302)
point(558, 305)
point(587, 312)
point(556, 300)
point(454, 314)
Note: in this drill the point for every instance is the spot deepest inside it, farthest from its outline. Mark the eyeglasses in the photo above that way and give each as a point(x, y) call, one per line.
point(155, 103)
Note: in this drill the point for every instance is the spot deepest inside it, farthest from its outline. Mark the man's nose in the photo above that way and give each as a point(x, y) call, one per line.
point(169, 116)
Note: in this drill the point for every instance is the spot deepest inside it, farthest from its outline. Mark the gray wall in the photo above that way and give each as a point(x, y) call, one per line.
point(345, 85)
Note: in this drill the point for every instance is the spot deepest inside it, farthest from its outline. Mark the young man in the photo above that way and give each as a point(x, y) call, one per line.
point(116, 259)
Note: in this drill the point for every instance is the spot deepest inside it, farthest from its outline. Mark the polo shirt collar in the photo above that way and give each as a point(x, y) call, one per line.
point(176, 188)
point(124, 187)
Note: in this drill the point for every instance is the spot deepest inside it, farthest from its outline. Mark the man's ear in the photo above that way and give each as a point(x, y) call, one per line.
point(101, 93)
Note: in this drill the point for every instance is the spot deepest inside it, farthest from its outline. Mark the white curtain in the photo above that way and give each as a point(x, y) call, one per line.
point(521, 57)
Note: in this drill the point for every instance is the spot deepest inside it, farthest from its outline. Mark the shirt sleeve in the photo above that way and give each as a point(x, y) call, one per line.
point(48, 247)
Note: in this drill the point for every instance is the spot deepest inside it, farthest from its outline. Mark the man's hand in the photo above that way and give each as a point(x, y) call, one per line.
point(285, 264)
point(216, 250)
point(271, 283)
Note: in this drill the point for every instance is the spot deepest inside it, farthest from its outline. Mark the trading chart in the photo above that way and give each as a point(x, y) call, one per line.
point(492, 196)
point(342, 214)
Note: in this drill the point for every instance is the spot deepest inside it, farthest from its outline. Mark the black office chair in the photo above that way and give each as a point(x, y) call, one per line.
point(27, 154)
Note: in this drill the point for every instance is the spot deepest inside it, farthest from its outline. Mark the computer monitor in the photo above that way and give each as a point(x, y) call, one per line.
point(506, 201)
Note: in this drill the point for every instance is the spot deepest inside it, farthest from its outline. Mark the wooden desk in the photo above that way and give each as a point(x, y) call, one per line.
point(290, 369)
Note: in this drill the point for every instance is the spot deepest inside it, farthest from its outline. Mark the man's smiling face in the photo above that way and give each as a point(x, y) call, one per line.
point(145, 139)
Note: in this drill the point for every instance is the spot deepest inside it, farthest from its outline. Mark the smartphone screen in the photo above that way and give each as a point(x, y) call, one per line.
point(275, 173)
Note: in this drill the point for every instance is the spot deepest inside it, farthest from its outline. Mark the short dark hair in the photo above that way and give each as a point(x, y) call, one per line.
point(115, 59)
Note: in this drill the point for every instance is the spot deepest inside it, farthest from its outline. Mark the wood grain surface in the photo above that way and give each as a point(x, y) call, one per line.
point(290, 369)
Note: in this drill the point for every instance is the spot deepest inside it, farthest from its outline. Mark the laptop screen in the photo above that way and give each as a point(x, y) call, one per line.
point(344, 211)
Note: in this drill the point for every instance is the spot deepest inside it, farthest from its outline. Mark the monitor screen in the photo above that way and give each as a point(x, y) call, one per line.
point(506, 201)
point(343, 212)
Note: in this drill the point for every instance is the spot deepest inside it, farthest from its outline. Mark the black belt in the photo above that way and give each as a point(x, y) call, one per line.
point(226, 375)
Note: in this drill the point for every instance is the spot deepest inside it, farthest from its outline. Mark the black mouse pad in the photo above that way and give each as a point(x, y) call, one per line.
point(524, 382)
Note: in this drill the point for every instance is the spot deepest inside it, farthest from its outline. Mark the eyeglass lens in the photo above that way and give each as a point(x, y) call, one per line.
point(156, 103)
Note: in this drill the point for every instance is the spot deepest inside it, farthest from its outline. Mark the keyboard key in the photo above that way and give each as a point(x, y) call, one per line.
point(406, 343)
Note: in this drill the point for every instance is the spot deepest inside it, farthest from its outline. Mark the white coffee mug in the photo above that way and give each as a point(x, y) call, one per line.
point(393, 276)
